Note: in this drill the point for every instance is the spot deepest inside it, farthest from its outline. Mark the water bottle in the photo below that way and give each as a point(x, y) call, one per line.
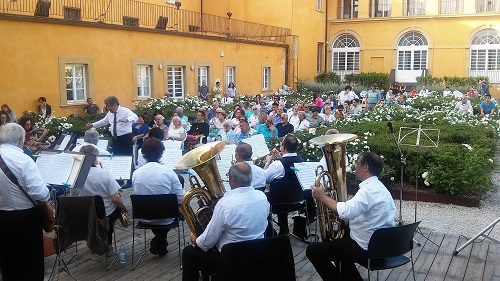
point(121, 254)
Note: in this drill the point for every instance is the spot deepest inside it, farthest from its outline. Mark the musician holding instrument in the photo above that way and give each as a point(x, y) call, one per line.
point(102, 183)
point(21, 238)
point(279, 171)
point(243, 153)
point(241, 214)
point(154, 178)
point(370, 209)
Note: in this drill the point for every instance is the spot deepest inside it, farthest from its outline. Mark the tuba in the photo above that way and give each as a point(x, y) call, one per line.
point(198, 204)
point(333, 181)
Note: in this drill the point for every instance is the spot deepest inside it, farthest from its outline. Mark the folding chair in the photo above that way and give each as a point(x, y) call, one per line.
point(388, 246)
point(259, 259)
point(154, 207)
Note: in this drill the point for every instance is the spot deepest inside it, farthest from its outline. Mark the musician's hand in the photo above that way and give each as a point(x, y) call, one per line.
point(269, 158)
point(89, 125)
point(193, 238)
point(317, 192)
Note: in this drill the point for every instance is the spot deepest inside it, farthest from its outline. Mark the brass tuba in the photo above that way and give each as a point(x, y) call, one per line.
point(333, 181)
point(202, 159)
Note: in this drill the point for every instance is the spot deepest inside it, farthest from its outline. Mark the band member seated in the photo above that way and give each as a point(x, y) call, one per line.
point(154, 178)
point(101, 182)
point(370, 209)
point(243, 153)
point(91, 137)
point(279, 171)
point(238, 216)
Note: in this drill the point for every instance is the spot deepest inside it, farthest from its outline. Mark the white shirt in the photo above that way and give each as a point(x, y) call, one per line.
point(293, 119)
point(258, 175)
point(101, 182)
point(227, 100)
point(275, 170)
point(101, 151)
point(447, 93)
point(154, 178)
point(175, 133)
point(122, 128)
point(370, 209)
point(464, 108)
point(301, 126)
point(240, 215)
point(342, 97)
point(329, 118)
point(253, 120)
point(28, 176)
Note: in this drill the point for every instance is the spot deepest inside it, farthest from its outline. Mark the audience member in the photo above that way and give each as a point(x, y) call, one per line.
point(245, 132)
point(44, 109)
point(177, 132)
point(203, 90)
point(160, 123)
point(4, 118)
point(12, 115)
point(140, 130)
point(91, 108)
point(447, 92)
point(268, 129)
point(198, 130)
point(315, 120)
point(284, 127)
point(303, 124)
point(231, 90)
point(464, 106)
point(487, 107)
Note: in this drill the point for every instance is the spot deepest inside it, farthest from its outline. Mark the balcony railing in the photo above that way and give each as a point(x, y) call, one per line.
point(380, 10)
point(451, 7)
point(414, 7)
point(488, 6)
point(144, 15)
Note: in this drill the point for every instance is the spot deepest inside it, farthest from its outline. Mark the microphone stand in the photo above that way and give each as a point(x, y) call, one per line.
point(402, 164)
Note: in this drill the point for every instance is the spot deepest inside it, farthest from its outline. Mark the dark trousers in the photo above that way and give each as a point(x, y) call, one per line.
point(195, 260)
point(112, 218)
point(21, 245)
point(343, 252)
point(311, 210)
point(123, 145)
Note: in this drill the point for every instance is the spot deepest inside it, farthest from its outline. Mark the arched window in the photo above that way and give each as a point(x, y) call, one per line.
point(345, 55)
point(412, 56)
point(485, 55)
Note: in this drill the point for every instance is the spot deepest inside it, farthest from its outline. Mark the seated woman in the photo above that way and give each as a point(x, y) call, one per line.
point(227, 134)
point(198, 130)
point(153, 133)
point(11, 113)
point(327, 116)
point(216, 124)
point(4, 118)
point(100, 182)
point(160, 123)
point(140, 130)
point(33, 136)
point(176, 132)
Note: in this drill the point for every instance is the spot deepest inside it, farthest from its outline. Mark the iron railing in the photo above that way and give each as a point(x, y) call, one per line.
point(414, 7)
point(380, 10)
point(144, 15)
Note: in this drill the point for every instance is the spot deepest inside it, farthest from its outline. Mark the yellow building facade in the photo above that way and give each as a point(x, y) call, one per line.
point(409, 38)
point(68, 51)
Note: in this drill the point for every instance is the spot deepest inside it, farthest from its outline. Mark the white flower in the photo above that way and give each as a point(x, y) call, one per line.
point(348, 169)
point(491, 160)
point(311, 145)
point(427, 183)
point(424, 175)
point(468, 146)
point(392, 178)
point(51, 138)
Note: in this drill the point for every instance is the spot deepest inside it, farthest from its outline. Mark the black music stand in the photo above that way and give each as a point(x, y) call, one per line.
point(418, 138)
point(480, 234)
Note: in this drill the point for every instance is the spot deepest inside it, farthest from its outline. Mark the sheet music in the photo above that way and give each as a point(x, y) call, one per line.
point(55, 168)
point(227, 154)
point(101, 143)
point(172, 144)
point(76, 168)
point(258, 144)
point(306, 173)
point(170, 157)
point(223, 167)
point(118, 165)
point(64, 142)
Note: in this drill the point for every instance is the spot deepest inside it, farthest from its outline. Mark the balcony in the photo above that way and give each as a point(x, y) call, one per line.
point(451, 7)
point(485, 6)
point(414, 7)
point(380, 10)
point(134, 14)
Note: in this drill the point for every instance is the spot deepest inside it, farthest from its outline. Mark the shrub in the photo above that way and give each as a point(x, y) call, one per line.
point(366, 80)
point(327, 77)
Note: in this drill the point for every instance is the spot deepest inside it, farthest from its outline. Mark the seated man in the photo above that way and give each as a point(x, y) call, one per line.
point(268, 129)
point(302, 124)
point(464, 106)
point(245, 132)
point(487, 107)
point(238, 216)
point(243, 153)
point(315, 120)
point(370, 209)
point(284, 127)
point(154, 178)
point(198, 130)
point(279, 171)
point(91, 138)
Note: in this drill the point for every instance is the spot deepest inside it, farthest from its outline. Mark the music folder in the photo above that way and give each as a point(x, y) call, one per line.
point(306, 173)
point(120, 166)
point(66, 168)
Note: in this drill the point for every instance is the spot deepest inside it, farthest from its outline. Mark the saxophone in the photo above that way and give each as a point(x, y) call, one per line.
point(198, 204)
point(333, 181)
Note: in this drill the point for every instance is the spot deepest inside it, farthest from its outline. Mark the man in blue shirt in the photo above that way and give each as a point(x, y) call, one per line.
point(268, 129)
point(487, 106)
point(284, 127)
point(373, 97)
point(245, 131)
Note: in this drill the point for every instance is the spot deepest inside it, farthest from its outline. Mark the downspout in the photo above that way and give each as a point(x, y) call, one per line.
point(326, 35)
point(201, 15)
point(287, 47)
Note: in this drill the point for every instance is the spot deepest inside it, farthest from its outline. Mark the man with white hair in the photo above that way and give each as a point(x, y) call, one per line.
point(91, 138)
point(464, 106)
point(21, 241)
point(226, 134)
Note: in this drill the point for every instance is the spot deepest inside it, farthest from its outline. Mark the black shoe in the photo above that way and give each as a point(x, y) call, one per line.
point(283, 231)
point(163, 249)
point(155, 246)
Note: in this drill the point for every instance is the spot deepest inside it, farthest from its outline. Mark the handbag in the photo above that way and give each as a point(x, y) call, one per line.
point(46, 211)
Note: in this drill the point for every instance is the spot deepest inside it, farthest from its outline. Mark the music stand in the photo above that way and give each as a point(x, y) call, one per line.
point(418, 137)
point(481, 233)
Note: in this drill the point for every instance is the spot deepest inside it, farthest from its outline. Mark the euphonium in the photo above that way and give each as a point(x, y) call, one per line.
point(333, 181)
point(202, 160)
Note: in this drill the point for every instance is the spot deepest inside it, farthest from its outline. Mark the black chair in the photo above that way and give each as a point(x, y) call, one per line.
point(285, 198)
point(154, 207)
point(259, 259)
point(388, 246)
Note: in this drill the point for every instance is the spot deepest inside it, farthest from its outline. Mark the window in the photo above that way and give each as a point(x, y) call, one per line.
point(202, 74)
point(171, 1)
point(485, 55)
point(414, 7)
point(412, 56)
point(380, 8)
point(143, 81)
point(319, 5)
point(266, 78)
point(345, 55)
point(319, 55)
point(175, 77)
point(451, 6)
point(76, 83)
point(484, 6)
point(349, 9)
point(230, 74)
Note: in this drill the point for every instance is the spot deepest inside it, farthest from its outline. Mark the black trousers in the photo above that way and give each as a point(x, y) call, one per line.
point(343, 252)
point(112, 218)
point(195, 260)
point(123, 145)
point(311, 209)
point(21, 245)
